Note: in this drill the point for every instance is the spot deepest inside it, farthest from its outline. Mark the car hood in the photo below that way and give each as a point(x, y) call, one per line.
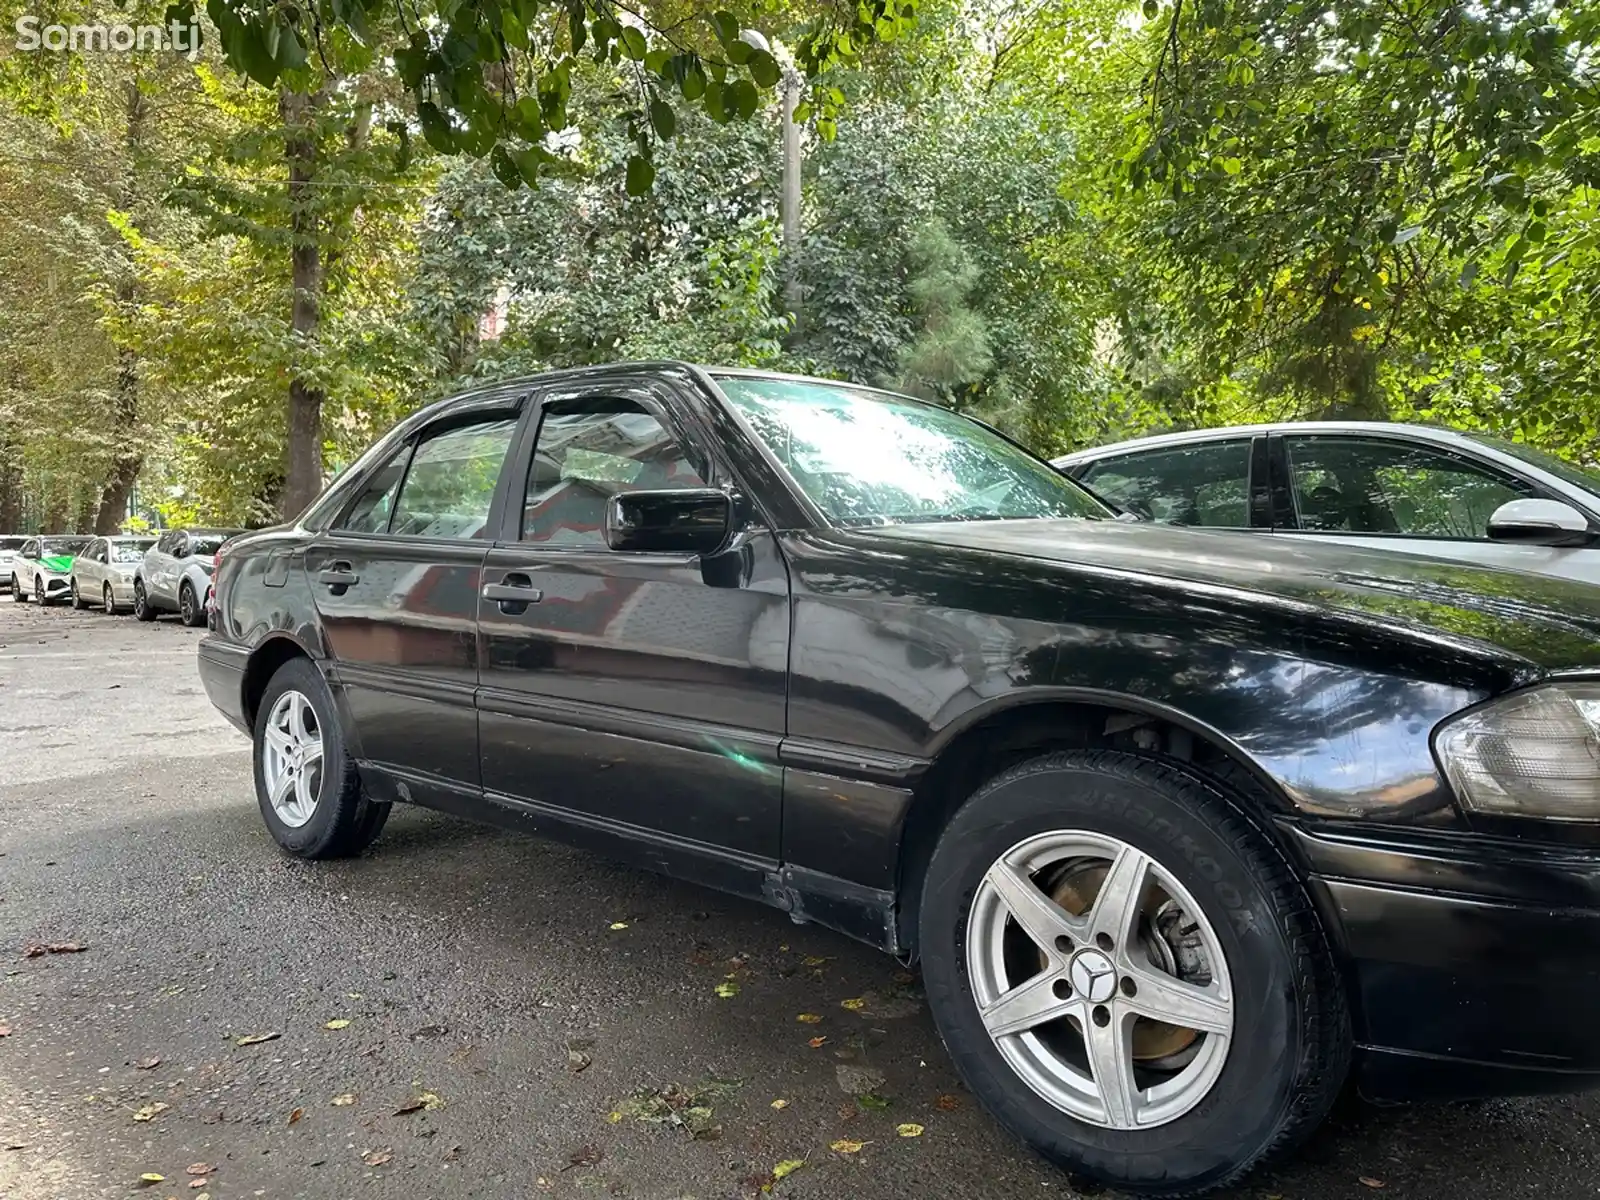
point(57, 564)
point(1553, 623)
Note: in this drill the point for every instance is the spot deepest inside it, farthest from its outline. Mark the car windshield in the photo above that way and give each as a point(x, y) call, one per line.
point(53, 546)
point(1586, 478)
point(130, 552)
point(869, 458)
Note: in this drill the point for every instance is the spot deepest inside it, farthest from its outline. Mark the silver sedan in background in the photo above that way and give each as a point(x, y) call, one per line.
point(102, 573)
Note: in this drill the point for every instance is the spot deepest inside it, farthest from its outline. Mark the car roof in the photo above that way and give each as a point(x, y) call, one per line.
point(1438, 434)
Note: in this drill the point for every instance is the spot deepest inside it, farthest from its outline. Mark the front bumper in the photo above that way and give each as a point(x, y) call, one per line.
point(222, 675)
point(1473, 963)
point(56, 587)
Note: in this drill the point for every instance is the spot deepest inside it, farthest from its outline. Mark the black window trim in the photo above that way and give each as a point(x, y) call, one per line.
point(513, 409)
point(1283, 470)
point(1253, 443)
point(656, 398)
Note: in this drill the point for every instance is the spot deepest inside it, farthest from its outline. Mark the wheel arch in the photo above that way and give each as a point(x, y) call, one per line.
point(999, 733)
point(269, 654)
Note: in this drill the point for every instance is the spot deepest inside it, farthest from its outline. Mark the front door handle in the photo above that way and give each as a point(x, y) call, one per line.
point(338, 578)
point(514, 593)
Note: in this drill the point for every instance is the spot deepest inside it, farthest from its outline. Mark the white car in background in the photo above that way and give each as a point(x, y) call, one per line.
point(176, 574)
point(103, 573)
point(1417, 489)
point(39, 572)
point(9, 545)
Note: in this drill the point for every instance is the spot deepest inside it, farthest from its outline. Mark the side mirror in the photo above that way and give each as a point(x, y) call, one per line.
point(682, 521)
point(1539, 523)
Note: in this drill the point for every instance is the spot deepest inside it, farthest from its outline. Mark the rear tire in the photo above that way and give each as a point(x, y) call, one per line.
point(38, 592)
point(189, 610)
point(1183, 1121)
point(342, 821)
point(16, 590)
point(142, 608)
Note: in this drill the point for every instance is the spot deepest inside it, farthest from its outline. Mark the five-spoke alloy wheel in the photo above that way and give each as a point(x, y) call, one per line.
point(1128, 972)
point(307, 785)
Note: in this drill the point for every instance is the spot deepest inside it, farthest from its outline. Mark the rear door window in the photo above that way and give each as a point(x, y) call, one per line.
point(1207, 483)
point(449, 488)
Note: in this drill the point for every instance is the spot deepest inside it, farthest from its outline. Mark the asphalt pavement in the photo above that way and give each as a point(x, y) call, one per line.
point(469, 1013)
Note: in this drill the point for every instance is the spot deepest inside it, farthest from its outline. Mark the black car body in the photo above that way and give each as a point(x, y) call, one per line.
point(797, 716)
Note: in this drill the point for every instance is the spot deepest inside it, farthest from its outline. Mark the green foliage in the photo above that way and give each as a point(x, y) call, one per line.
point(951, 351)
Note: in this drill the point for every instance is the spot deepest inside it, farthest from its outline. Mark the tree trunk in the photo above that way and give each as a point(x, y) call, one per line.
point(304, 468)
point(10, 483)
point(129, 457)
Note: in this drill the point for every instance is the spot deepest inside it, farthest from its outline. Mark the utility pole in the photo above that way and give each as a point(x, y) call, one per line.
point(792, 295)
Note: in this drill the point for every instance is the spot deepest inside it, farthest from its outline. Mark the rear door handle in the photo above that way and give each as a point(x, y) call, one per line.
point(338, 577)
point(514, 593)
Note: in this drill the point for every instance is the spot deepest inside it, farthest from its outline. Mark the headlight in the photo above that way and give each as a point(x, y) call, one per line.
point(1531, 754)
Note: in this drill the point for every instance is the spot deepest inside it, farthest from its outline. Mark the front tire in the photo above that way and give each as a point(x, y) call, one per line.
point(189, 610)
point(307, 785)
point(1129, 974)
point(77, 601)
point(142, 608)
point(110, 602)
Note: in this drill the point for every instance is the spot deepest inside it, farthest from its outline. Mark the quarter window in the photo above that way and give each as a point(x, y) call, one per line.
point(588, 450)
point(1204, 484)
point(370, 512)
point(1355, 485)
point(450, 486)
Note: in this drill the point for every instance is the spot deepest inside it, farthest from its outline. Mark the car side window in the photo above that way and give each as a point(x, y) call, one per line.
point(450, 484)
point(1370, 485)
point(1207, 483)
point(167, 541)
point(587, 450)
point(370, 511)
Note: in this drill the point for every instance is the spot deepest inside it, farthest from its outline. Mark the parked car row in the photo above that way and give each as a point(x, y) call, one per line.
point(1185, 826)
point(120, 573)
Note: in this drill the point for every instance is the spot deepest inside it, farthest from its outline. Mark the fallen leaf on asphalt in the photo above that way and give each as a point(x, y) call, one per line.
point(614, 1117)
point(40, 949)
point(909, 1129)
point(815, 1042)
point(451, 1155)
point(947, 1103)
point(855, 1005)
point(150, 1111)
point(150, 1179)
point(296, 1115)
point(577, 1061)
point(904, 977)
point(148, 1064)
point(376, 1158)
point(780, 1105)
point(197, 1183)
point(787, 1167)
point(422, 1100)
point(255, 1039)
point(1369, 1181)
point(619, 925)
point(727, 990)
point(429, 1031)
point(871, 1100)
point(846, 1146)
point(344, 1101)
point(198, 1169)
point(809, 1019)
point(815, 961)
point(584, 1156)
point(707, 1133)
point(337, 1023)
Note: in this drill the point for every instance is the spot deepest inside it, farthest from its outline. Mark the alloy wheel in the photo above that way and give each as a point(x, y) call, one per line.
point(111, 602)
point(291, 762)
point(186, 604)
point(1099, 979)
point(38, 591)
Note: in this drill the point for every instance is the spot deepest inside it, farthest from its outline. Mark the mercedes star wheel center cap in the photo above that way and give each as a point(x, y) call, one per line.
point(1093, 976)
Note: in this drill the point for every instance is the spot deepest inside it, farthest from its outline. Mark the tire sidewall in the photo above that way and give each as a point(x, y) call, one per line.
point(109, 601)
point(300, 674)
point(186, 605)
point(141, 602)
point(1254, 1094)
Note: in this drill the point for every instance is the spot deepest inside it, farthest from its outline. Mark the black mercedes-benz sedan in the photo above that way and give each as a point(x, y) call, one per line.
point(1183, 826)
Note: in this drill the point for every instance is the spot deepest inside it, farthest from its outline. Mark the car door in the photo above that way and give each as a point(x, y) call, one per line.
point(90, 570)
point(639, 695)
point(395, 581)
point(1220, 483)
point(1395, 493)
point(24, 568)
point(159, 569)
